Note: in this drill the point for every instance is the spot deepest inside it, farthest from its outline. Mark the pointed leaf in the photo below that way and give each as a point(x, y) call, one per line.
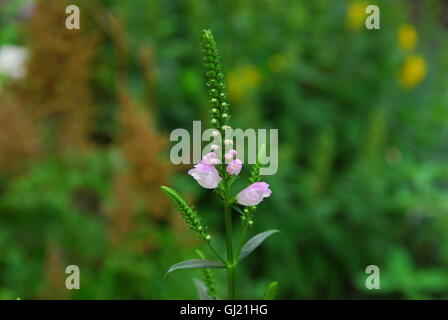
point(254, 242)
point(236, 208)
point(202, 290)
point(195, 264)
point(271, 290)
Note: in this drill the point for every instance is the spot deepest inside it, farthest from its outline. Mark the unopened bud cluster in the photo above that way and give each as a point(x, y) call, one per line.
point(247, 217)
point(190, 216)
point(219, 107)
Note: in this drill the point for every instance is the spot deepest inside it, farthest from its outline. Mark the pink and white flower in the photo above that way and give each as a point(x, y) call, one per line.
point(234, 167)
point(230, 155)
point(211, 159)
point(206, 175)
point(254, 194)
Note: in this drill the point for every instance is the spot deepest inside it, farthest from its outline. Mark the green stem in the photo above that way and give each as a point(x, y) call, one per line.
point(231, 281)
point(230, 259)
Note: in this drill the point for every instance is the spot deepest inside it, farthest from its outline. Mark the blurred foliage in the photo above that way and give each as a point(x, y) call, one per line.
point(362, 125)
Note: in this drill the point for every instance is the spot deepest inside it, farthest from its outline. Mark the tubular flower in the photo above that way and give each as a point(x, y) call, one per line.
point(234, 167)
point(210, 159)
point(230, 155)
point(254, 194)
point(206, 175)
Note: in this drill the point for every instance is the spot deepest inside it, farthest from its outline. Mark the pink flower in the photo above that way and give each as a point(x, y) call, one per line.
point(210, 159)
point(234, 167)
point(206, 175)
point(230, 155)
point(254, 194)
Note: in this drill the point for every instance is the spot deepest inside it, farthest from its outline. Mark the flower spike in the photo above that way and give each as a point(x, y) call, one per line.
point(190, 215)
point(219, 106)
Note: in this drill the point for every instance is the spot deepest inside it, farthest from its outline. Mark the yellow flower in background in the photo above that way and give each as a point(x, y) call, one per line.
point(407, 37)
point(277, 63)
point(242, 80)
point(356, 15)
point(412, 72)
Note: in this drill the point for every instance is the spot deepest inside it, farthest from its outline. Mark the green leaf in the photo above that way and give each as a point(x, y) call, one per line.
point(254, 242)
point(195, 264)
point(202, 290)
point(270, 291)
point(238, 209)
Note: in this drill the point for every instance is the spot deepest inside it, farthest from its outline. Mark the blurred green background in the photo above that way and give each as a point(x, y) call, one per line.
point(84, 144)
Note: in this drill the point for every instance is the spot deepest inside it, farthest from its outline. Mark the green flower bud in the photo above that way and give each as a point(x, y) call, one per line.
point(214, 102)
